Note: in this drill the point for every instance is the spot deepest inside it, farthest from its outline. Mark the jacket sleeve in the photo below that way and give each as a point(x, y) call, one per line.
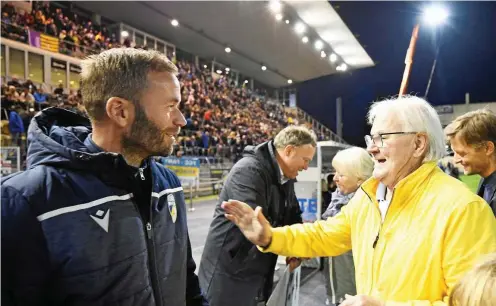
point(319, 239)
point(194, 296)
point(246, 184)
point(470, 235)
point(25, 261)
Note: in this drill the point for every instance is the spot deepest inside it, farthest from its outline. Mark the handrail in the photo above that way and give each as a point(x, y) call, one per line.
point(317, 124)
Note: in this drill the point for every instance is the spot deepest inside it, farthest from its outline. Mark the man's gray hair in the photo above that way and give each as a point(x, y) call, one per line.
point(295, 136)
point(415, 115)
point(118, 72)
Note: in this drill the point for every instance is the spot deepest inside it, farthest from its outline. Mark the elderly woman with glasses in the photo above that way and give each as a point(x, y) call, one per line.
point(353, 167)
point(414, 230)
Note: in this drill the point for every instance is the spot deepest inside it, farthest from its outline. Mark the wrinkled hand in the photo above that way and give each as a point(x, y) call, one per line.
point(293, 263)
point(252, 223)
point(361, 300)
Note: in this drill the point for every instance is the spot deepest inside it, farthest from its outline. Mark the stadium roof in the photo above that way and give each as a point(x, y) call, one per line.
point(252, 32)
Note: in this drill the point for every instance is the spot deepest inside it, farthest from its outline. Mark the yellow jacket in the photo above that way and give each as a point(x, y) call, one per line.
point(434, 231)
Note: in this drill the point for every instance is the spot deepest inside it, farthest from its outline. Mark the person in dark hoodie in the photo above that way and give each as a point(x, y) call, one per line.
point(232, 271)
point(94, 220)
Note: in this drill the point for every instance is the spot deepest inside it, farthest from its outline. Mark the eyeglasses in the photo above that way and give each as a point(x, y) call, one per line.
point(378, 140)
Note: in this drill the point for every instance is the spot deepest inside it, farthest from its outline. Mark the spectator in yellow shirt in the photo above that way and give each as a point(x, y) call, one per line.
point(415, 230)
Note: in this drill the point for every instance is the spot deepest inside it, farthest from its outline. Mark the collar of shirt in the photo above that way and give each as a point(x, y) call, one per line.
point(490, 180)
point(380, 194)
point(91, 145)
point(381, 198)
point(284, 179)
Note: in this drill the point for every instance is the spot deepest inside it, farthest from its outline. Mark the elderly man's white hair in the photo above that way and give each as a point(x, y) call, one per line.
point(415, 115)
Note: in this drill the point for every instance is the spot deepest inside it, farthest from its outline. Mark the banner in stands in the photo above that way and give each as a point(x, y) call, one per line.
point(34, 38)
point(187, 169)
point(10, 159)
point(74, 68)
point(49, 43)
point(59, 64)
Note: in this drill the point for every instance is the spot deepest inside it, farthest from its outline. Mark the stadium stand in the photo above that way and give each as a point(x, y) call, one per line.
point(222, 118)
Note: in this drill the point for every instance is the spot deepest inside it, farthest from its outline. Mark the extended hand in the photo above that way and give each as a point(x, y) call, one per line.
point(361, 300)
point(252, 223)
point(293, 263)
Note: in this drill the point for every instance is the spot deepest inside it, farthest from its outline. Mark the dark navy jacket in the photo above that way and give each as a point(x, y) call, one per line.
point(82, 227)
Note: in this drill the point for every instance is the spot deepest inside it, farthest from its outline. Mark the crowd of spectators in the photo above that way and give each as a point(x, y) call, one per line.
point(77, 35)
point(222, 117)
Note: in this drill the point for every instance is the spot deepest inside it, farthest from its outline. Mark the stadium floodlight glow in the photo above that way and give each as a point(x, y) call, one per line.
point(125, 34)
point(278, 17)
point(319, 44)
point(174, 22)
point(219, 71)
point(264, 68)
point(333, 57)
point(275, 6)
point(300, 27)
point(290, 81)
point(287, 21)
point(304, 39)
point(228, 50)
point(323, 54)
point(435, 15)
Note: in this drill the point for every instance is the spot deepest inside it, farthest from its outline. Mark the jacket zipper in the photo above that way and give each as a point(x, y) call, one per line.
point(150, 247)
point(379, 232)
point(382, 222)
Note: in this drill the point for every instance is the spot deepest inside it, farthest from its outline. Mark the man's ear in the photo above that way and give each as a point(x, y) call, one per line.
point(288, 150)
point(489, 148)
point(421, 145)
point(120, 111)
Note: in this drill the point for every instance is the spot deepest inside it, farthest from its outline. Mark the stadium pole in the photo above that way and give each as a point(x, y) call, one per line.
point(432, 73)
point(409, 60)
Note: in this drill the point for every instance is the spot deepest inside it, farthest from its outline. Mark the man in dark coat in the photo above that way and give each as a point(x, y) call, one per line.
point(232, 270)
point(472, 137)
point(95, 220)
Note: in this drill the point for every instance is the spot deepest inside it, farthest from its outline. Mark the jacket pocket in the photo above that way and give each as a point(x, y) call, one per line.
point(248, 261)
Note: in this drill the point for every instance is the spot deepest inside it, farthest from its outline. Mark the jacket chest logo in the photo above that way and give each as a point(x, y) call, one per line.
point(171, 203)
point(102, 219)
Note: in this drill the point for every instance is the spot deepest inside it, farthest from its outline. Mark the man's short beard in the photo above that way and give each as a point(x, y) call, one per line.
point(145, 138)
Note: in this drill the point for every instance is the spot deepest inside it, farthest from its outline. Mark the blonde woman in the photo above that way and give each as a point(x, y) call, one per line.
point(478, 286)
point(353, 166)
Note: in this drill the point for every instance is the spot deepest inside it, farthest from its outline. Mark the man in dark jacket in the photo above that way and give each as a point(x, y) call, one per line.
point(232, 270)
point(94, 220)
point(472, 137)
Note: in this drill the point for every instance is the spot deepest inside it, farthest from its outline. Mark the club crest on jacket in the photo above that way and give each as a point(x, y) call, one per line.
point(171, 203)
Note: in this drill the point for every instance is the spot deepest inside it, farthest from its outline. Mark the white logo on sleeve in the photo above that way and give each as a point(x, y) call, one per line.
point(102, 219)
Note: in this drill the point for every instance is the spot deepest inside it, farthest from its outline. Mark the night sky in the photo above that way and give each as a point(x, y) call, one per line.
point(466, 62)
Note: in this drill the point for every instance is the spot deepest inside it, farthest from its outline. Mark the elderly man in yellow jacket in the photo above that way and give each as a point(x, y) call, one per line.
point(414, 230)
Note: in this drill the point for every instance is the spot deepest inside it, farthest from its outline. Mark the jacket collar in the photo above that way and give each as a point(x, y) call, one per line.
point(407, 187)
point(279, 174)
